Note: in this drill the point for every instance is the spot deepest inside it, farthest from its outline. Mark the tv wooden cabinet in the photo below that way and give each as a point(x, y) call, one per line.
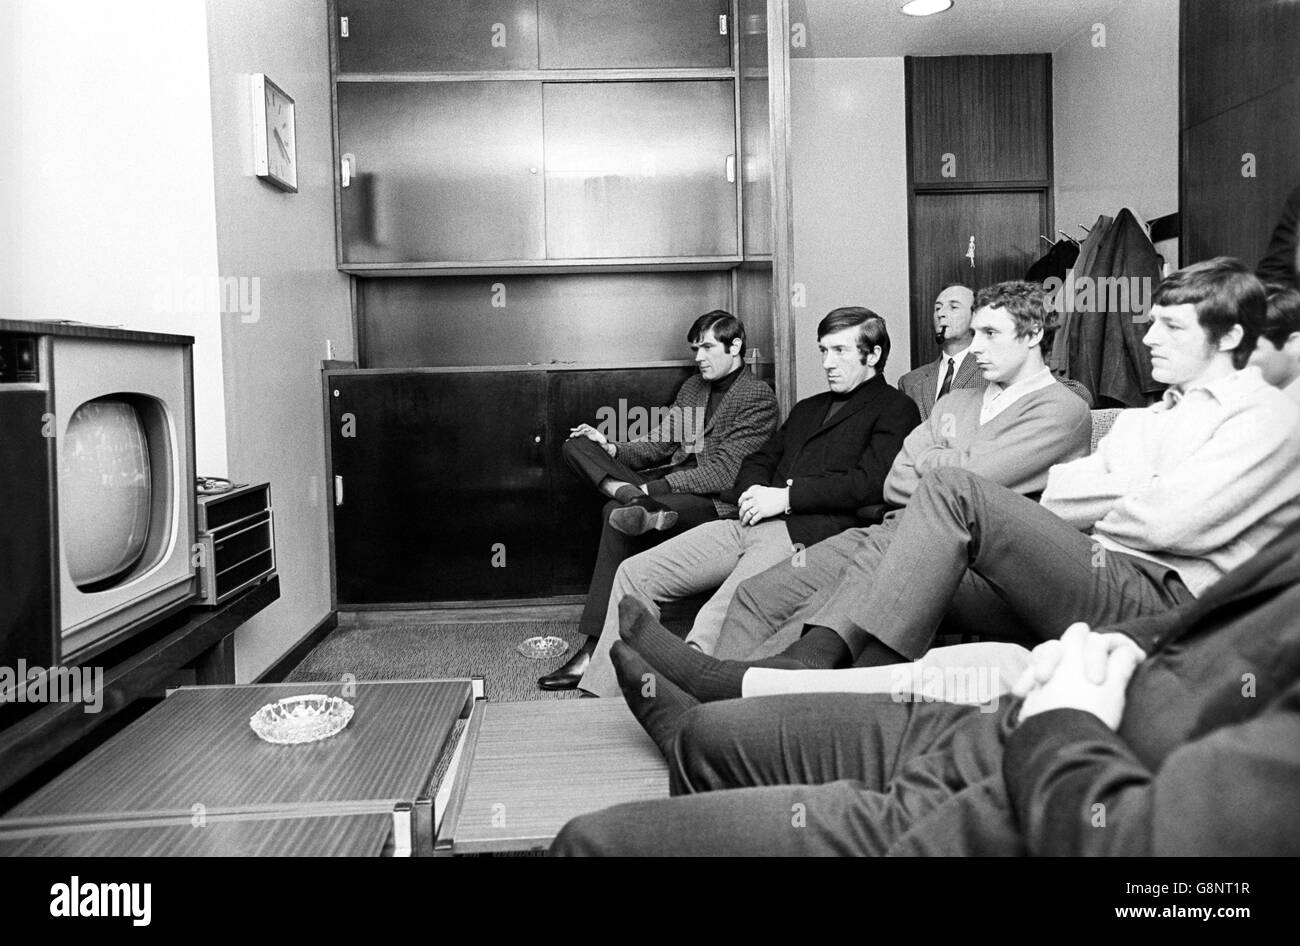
point(199, 638)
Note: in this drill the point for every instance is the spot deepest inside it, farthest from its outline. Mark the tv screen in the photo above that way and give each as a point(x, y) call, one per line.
point(105, 492)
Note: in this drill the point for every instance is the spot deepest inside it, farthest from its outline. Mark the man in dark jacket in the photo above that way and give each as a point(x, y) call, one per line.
point(668, 478)
point(829, 459)
point(1196, 752)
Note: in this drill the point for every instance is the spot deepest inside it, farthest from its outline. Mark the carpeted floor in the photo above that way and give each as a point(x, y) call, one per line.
point(436, 651)
point(433, 651)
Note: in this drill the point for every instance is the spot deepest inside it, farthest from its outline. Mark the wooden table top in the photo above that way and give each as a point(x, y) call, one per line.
point(538, 764)
point(329, 836)
point(195, 752)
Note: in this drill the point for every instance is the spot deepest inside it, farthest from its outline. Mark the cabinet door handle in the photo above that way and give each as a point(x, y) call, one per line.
point(537, 439)
point(731, 169)
point(343, 27)
point(347, 169)
point(722, 24)
point(338, 491)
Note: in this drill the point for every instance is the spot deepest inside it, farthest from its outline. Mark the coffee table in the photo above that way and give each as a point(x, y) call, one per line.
point(194, 756)
point(532, 766)
point(246, 836)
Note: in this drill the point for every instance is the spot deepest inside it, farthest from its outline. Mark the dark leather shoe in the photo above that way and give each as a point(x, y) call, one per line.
point(567, 677)
point(642, 515)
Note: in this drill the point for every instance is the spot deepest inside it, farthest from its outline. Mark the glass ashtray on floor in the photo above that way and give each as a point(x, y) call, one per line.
point(543, 648)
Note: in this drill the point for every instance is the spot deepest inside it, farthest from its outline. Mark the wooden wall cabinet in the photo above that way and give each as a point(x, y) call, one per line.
point(512, 134)
point(438, 498)
point(396, 36)
point(979, 119)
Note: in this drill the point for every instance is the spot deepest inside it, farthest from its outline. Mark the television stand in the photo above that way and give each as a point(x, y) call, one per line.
point(200, 638)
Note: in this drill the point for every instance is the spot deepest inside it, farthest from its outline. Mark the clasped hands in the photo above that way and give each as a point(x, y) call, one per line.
point(1083, 670)
point(763, 502)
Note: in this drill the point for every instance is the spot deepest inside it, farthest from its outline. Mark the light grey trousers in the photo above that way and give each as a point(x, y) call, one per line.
point(718, 555)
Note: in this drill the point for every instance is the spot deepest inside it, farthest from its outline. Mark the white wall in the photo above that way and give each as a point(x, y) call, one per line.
point(1115, 116)
point(285, 241)
point(849, 170)
point(106, 178)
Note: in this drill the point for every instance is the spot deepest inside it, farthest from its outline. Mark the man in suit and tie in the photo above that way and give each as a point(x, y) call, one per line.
point(827, 460)
point(954, 367)
point(1181, 726)
point(669, 479)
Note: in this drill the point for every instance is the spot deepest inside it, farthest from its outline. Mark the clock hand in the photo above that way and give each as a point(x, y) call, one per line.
point(280, 141)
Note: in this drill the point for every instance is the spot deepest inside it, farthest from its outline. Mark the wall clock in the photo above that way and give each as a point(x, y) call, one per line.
point(275, 156)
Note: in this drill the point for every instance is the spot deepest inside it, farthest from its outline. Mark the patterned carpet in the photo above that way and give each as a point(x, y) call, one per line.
point(431, 651)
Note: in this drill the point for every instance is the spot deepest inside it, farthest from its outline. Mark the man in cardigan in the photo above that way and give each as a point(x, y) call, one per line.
point(1010, 431)
point(1196, 752)
point(954, 369)
point(671, 477)
point(1175, 496)
point(828, 460)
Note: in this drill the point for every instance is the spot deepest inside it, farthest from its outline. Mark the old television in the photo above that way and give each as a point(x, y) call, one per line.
point(96, 488)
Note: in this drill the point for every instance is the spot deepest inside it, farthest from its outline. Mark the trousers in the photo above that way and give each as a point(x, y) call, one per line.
point(716, 555)
point(967, 554)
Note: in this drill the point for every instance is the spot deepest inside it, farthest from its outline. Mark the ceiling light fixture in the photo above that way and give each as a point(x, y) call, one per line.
point(925, 7)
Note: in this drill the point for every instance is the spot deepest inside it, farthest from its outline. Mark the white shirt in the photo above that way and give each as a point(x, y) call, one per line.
point(998, 398)
point(943, 368)
point(1198, 482)
point(1292, 390)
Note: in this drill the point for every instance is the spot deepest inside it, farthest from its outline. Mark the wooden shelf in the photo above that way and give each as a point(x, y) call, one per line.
point(539, 267)
point(542, 75)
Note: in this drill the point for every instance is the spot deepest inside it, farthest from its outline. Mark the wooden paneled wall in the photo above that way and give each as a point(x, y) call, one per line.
point(1240, 124)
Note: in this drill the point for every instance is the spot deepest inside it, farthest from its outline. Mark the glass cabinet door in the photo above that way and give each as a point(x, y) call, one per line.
point(640, 169)
point(436, 35)
point(441, 171)
point(633, 34)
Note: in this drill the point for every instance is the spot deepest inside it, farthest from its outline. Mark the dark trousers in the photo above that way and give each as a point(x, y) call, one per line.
point(972, 546)
point(590, 462)
point(819, 774)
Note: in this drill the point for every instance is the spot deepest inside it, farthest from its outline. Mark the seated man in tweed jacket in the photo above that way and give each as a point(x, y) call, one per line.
point(669, 479)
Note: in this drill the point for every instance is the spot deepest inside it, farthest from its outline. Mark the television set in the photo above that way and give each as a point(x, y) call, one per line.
point(97, 502)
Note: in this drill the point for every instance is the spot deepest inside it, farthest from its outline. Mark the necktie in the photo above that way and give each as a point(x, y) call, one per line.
point(947, 379)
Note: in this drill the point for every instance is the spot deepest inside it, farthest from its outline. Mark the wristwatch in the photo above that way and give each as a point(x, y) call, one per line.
point(788, 484)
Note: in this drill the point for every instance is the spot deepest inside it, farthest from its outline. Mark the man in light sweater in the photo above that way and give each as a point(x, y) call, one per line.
point(1174, 497)
point(1010, 430)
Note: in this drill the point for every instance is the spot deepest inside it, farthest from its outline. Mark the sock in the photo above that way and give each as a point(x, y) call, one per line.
point(663, 711)
point(626, 494)
point(820, 648)
point(703, 677)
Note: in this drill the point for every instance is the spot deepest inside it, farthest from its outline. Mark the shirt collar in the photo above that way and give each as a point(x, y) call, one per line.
point(1231, 386)
point(1039, 379)
point(957, 360)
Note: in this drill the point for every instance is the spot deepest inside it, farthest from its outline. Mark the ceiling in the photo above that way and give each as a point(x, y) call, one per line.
point(866, 28)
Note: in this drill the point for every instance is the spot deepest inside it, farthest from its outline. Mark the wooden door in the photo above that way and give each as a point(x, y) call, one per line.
point(1005, 228)
point(445, 489)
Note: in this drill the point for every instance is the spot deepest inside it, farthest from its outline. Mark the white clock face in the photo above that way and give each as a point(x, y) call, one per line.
point(280, 155)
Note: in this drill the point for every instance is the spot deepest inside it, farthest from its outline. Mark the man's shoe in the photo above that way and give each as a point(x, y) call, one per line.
point(567, 677)
point(642, 515)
